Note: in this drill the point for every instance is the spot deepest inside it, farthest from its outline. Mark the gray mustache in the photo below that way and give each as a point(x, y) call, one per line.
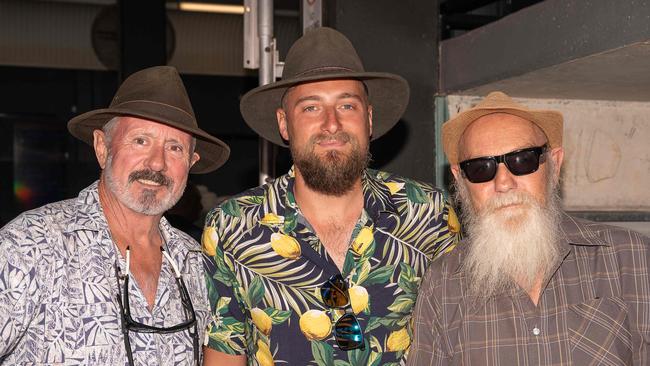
point(150, 175)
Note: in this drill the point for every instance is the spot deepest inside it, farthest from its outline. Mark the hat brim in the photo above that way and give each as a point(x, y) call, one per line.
point(212, 151)
point(550, 122)
point(388, 94)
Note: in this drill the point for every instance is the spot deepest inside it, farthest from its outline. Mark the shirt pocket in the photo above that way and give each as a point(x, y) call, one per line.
point(599, 330)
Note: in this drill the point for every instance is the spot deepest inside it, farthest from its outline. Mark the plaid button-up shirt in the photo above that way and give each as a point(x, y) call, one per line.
point(594, 310)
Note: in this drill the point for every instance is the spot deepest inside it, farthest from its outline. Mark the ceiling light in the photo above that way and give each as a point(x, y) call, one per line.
point(211, 8)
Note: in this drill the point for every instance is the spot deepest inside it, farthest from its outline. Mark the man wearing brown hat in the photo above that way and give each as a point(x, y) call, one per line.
point(322, 265)
point(530, 285)
point(103, 279)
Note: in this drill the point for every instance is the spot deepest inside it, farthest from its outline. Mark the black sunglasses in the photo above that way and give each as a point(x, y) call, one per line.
point(130, 324)
point(519, 162)
point(347, 330)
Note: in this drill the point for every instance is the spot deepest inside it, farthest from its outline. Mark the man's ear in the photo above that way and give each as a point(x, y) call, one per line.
point(557, 155)
point(370, 119)
point(455, 170)
point(195, 158)
point(281, 116)
point(99, 144)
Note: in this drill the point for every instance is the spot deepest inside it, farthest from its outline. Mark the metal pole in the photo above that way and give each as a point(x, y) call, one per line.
point(266, 76)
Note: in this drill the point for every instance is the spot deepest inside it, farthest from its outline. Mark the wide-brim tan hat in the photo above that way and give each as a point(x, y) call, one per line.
point(325, 54)
point(550, 122)
point(155, 94)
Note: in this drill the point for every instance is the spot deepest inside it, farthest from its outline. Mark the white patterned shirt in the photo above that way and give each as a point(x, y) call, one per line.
point(58, 291)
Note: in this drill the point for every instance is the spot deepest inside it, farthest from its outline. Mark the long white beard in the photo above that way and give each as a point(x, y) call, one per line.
point(510, 248)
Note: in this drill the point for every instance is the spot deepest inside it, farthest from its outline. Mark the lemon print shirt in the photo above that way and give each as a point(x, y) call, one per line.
point(265, 266)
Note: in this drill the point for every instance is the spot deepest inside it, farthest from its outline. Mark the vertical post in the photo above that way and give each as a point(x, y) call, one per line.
point(441, 164)
point(312, 14)
point(266, 75)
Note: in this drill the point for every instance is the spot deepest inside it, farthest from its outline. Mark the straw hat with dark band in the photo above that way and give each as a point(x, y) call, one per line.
point(325, 54)
point(155, 94)
point(550, 122)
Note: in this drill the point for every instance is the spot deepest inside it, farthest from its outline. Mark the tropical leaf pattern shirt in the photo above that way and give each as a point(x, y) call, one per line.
point(58, 291)
point(265, 268)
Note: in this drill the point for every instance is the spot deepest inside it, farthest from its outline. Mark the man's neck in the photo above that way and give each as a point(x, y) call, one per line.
point(332, 217)
point(535, 291)
point(321, 206)
point(128, 228)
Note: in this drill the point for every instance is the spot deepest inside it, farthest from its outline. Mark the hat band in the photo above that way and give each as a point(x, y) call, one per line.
point(324, 69)
point(154, 102)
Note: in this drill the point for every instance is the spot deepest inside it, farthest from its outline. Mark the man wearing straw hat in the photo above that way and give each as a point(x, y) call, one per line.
point(103, 279)
point(322, 265)
point(530, 285)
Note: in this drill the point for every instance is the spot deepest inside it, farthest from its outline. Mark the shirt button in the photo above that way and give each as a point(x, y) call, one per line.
point(536, 331)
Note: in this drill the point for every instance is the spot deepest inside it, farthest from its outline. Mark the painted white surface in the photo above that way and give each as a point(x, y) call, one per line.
point(607, 151)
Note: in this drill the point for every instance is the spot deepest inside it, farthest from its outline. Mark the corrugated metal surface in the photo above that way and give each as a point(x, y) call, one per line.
point(58, 35)
point(208, 43)
point(46, 34)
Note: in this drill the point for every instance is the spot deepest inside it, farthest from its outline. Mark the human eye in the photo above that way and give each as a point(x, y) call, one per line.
point(139, 140)
point(176, 148)
point(309, 108)
point(347, 106)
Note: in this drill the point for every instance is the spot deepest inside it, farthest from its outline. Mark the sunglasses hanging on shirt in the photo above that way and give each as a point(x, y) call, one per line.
point(347, 330)
point(131, 325)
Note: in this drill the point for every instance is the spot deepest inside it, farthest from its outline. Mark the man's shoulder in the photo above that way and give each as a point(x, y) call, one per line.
point(249, 202)
point(31, 235)
point(444, 282)
point(415, 190)
point(52, 213)
point(581, 231)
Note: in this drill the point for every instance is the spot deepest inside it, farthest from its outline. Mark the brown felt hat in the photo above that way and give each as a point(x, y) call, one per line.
point(325, 54)
point(550, 122)
point(155, 94)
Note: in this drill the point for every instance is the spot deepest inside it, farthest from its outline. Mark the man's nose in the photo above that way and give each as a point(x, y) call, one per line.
point(331, 121)
point(504, 180)
point(156, 159)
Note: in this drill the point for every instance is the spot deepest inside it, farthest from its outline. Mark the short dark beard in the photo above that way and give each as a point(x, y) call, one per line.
point(336, 173)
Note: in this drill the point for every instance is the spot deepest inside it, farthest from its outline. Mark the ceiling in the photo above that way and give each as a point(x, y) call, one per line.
point(568, 49)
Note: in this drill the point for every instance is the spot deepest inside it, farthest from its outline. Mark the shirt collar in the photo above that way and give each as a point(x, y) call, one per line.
point(376, 195)
point(577, 231)
point(89, 215)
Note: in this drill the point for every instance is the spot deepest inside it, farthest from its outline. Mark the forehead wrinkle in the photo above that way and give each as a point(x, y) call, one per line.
point(311, 98)
point(347, 95)
point(533, 136)
point(161, 131)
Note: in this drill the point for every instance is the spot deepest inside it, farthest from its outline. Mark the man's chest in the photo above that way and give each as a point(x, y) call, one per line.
point(78, 319)
point(282, 291)
point(581, 317)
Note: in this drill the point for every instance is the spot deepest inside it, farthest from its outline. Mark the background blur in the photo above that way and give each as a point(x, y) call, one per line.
point(588, 59)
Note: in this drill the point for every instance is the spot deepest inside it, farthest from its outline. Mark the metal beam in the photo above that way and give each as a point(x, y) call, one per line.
point(545, 35)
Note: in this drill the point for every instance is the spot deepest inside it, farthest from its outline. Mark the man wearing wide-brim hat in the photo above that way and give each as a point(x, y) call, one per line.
point(529, 284)
point(103, 279)
point(322, 265)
